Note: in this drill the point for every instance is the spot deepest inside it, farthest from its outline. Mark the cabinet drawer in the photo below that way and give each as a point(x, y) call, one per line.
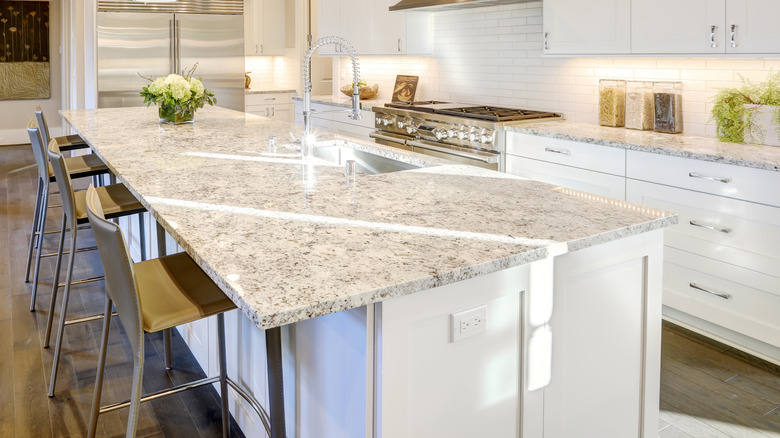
point(714, 224)
point(745, 183)
point(268, 99)
point(570, 153)
point(732, 297)
point(571, 177)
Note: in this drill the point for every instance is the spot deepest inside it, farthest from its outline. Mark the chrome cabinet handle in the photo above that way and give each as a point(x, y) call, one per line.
point(261, 48)
point(711, 178)
point(558, 151)
point(711, 292)
point(256, 49)
point(546, 46)
point(484, 159)
point(713, 29)
point(266, 112)
point(733, 35)
point(273, 111)
point(386, 138)
point(710, 227)
point(399, 44)
point(270, 98)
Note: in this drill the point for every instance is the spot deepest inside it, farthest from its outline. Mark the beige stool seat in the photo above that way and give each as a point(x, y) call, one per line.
point(69, 142)
point(173, 290)
point(83, 165)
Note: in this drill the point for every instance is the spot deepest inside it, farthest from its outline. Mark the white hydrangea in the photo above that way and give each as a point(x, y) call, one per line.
point(197, 88)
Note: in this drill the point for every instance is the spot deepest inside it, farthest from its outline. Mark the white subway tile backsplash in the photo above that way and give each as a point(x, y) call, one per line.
point(493, 55)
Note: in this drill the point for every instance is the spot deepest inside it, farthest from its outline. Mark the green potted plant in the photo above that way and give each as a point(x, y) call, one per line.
point(750, 113)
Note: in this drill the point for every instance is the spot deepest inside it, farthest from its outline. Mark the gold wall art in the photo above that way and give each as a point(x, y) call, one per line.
point(24, 58)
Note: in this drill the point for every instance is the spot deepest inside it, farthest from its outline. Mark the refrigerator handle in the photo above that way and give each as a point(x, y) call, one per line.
point(178, 47)
point(171, 49)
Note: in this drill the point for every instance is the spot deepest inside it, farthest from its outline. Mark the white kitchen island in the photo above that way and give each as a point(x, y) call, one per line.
point(556, 292)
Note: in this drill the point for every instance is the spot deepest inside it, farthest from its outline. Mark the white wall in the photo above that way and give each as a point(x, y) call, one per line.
point(16, 113)
point(493, 55)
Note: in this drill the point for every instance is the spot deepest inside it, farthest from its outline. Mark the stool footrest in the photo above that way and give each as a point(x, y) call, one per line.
point(87, 318)
point(86, 280)
point(52, 254)
point(264, 417)
point(159, 394)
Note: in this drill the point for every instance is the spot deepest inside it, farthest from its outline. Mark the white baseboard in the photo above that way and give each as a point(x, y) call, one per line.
point(19, 136)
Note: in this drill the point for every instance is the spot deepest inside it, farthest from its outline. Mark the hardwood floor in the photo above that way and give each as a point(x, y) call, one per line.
point(707, 389)
point(25, 410)
point(712, 390)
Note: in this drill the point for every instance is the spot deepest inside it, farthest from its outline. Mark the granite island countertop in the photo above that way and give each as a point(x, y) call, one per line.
point(343, 100)
point(289, 240)
point(678, 145)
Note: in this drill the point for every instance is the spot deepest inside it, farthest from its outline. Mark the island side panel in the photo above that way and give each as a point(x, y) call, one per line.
point(430, 386)
point(605, 330)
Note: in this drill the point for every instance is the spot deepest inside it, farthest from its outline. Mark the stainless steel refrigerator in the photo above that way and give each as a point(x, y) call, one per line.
point(133, 42)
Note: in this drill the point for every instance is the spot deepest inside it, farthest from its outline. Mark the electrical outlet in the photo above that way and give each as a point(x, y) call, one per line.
point(467, 323)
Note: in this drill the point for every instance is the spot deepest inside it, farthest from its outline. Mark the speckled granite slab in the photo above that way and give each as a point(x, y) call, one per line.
point(685, 146)
point(268, 91)
point(288, 240)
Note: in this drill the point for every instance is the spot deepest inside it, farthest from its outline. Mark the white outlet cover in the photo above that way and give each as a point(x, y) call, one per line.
point(467, 323)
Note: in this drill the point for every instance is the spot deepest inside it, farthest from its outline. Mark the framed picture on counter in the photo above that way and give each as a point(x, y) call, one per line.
point(405, 88)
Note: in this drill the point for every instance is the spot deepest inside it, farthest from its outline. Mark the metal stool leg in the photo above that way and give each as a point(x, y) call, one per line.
point(223, 384)
point(135, 395)
point(161, 251)
point(33, 238)
point(63, 313)
point(41, 228)
point(273, 347)
point(93, 416)
point(54, 289)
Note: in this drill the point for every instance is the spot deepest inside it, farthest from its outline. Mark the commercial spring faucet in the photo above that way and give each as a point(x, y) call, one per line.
point(307, 144)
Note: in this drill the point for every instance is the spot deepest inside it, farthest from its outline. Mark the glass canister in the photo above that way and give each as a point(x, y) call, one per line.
point(639, 105)
point(612, 102)
point(668, 107)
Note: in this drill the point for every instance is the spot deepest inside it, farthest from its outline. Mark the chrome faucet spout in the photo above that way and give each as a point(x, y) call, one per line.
point(307, 144)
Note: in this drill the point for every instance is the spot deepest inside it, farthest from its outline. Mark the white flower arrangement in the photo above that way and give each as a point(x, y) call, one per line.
point(179, 95)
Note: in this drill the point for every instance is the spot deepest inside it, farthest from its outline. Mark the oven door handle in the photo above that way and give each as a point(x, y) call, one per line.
point(379, 136)
point(490, 159)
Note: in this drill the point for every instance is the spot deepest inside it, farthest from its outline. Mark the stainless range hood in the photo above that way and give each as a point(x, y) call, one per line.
point(449, 4)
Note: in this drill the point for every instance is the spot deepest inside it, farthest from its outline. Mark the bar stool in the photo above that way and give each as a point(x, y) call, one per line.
point(118, 201)
point(82, 166)
point(151, 296)
point(66, 142)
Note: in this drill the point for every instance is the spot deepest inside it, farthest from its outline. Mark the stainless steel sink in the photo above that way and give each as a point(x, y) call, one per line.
point(365, 162)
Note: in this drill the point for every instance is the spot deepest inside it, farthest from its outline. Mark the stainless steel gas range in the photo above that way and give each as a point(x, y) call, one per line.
point(463, 133)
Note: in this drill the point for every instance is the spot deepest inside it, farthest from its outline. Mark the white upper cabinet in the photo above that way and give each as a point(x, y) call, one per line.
point(753, 24)
point(705, 26)
point(587, 27)
point(378, 31)
point(264, 27)
point(674, 26)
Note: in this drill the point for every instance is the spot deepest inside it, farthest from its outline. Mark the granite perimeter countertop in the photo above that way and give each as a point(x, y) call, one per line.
point(288, 240)
point(342, 100)
point(678, 145)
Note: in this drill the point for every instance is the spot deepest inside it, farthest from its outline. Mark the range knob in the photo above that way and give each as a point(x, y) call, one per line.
point(440, 133)
point(452, 131)
point(463, 132)
point(473, 135)
point(411, 128)
point(387, 120)
point(404, 122)
point(486, 136)
point(378, 120)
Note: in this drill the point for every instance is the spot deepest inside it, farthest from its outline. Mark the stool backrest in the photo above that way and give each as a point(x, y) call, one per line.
point(63, 183)
point(39, 151)
point(118, 266)
point(44, 128)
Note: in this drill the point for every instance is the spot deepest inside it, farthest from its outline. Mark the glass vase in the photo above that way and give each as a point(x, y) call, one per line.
point(168, 115)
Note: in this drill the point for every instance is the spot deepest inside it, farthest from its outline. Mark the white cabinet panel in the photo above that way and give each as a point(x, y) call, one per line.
point(727, 295)
point(571, 153)
point(755, 28)
point(705, 176)
point(587, 27)
point(672, 26)
point(264, 27)
point(598, 183)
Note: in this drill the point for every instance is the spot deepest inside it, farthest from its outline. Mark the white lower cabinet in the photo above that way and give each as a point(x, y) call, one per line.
point(277, 106)
point(335, 119)
point(721, 261)
point(581, 166)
